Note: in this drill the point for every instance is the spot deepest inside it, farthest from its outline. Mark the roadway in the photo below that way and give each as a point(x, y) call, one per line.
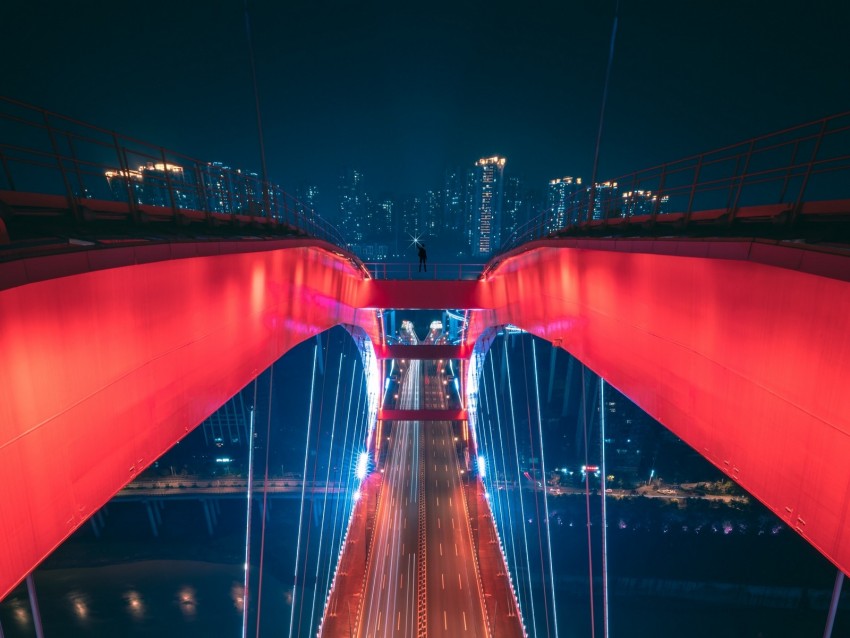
point(390, 600)
point(452, 589)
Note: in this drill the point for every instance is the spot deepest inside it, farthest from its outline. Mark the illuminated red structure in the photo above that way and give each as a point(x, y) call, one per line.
point(109, 357)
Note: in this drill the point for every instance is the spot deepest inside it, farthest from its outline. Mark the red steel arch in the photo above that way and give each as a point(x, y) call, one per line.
point(109, 357)
point(741, 348)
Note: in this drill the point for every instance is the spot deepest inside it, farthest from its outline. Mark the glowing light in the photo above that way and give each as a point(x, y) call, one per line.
point(357, 495)
point(362, 465)
point(482, 466)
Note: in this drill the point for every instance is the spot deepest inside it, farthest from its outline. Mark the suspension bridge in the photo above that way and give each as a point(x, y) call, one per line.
point(717, 305)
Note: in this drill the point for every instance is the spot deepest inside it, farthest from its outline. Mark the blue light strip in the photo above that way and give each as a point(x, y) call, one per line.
point(604, 511)
point(521, 500)
point(303, 485)
point(248, 516)
point(325, 500)
point(545, 488)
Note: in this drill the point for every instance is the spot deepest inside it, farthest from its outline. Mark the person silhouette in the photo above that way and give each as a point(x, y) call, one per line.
point(423, 256)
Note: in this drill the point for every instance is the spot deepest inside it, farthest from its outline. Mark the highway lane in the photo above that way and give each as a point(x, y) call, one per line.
point(390, 597)
point(455, 604)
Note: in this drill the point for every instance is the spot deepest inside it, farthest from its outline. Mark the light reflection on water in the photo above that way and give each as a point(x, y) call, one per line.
point(135, 605)
point(187, 600)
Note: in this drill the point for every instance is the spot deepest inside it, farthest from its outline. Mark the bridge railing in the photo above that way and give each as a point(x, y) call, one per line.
point(108, 175)
point(411, 270)
point(771, 176)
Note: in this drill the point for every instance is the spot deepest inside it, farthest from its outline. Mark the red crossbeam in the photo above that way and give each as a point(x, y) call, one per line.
point(429, 352)
point(422, 415)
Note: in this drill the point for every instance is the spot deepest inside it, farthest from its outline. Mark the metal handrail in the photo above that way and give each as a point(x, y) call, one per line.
point(790, 166)
point(48, 153)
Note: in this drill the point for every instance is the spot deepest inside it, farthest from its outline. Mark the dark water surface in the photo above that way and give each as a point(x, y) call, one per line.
point(711, 571)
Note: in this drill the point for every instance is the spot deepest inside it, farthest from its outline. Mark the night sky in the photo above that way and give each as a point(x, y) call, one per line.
point(404, 90)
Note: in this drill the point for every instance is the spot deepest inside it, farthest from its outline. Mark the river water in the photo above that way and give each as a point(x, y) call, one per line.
point(709, 570)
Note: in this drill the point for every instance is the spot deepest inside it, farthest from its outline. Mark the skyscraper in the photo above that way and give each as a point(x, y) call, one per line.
point(351, 217)
point(307, 196)
point(562, 199)
point(488, 194)
point(514, 208)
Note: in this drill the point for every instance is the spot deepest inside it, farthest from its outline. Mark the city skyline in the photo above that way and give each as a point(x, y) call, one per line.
point(365, 86)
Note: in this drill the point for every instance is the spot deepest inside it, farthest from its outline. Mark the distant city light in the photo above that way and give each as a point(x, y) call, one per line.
point(223, 459)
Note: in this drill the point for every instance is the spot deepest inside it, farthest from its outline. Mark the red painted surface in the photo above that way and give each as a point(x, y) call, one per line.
point(422, 415)
point(424, 352)
point(748, 363)
point(108, 357)
point(103, 370)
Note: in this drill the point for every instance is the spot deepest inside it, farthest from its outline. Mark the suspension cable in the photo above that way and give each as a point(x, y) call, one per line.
point(602, 111)
point(545, 491)
point(325, 500)
point(543, 481)
point(336, 519)
point(265, 499)
point(303, 486)
point(519, 478)
point(604, 510)
point(248, 515)
point(587, 504)
point(517, 593)
point(315, 469)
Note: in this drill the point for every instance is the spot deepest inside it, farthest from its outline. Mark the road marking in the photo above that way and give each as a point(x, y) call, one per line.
point(402, 549)
point(450, 501)
point(459, 583)
point(441, 549)
point(445, 622)
point(443, 580)
point(405, 523)
point(447, 467)
point(383, 578)
point(398, 624)
point(438, 501)
point(438, 524)
point(379, 621)
point(464, 620)
point(456, 549)
point(453, 522)
point(435, 467)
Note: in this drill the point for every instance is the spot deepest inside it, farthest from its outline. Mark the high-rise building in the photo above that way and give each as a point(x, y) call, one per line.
point(640, 202)
point(514, 208)
point(454, 202)
point(562, 201)
point(351, 213)
point(432, 213)
point(410, 218)
point(605, 200)
point(307, 199)
point(488, 193)
point(150, 184)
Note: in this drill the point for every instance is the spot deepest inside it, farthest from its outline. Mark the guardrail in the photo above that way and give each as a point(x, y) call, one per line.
point(115, 176)
point(770, 177)
point(385, 270)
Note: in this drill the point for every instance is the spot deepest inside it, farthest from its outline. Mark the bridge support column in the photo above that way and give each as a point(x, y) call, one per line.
point(36, 615)
point(152, 519)
point(158, 506)
point(833, 605)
